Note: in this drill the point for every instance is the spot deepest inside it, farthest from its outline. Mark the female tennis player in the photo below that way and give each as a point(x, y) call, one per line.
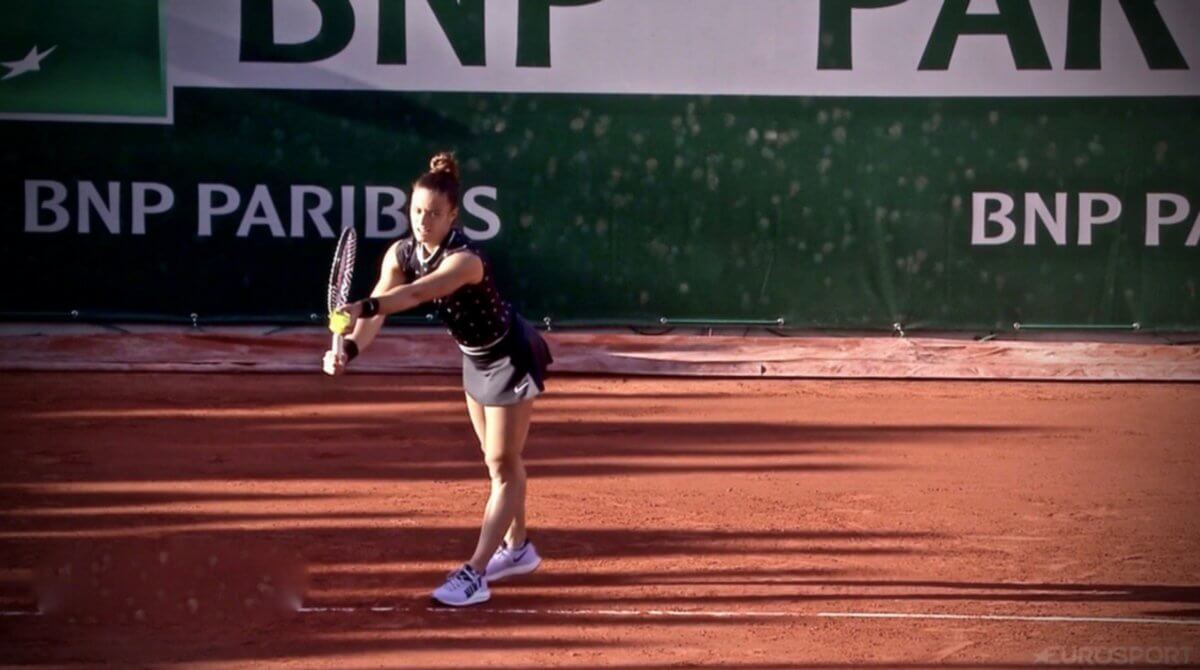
point(504, 365)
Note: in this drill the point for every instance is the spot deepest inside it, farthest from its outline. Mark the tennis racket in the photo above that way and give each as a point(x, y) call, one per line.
point(340, 276)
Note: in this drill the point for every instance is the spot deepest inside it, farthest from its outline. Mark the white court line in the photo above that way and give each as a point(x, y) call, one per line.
point(726, 614)
point(1010, 617)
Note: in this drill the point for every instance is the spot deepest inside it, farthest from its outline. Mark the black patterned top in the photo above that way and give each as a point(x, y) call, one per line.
point(476, 315)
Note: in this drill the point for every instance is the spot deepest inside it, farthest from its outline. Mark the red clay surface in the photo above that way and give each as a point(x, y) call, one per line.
point(167, 520)
point(1145, 358)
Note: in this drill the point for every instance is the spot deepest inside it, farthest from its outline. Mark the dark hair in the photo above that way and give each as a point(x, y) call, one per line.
point(442, 177)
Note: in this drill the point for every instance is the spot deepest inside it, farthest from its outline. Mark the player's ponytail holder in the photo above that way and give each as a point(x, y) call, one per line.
point(370, 308)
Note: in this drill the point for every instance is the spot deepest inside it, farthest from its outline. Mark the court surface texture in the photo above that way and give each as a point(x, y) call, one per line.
point(291, 520)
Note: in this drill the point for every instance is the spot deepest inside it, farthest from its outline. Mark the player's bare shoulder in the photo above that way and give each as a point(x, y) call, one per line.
point(394, 270)
point(400, 249)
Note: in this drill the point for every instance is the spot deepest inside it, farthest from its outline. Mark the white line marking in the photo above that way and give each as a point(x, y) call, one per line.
point(760, 614)
point(326, 610)
point(694, 614)
point(1011, 617)
point(728, 614)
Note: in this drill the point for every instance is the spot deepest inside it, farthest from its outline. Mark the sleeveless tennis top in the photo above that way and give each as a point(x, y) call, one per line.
point(476, 315)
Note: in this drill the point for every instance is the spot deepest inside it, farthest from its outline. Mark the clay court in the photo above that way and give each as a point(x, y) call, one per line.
point(229, 520)
point(874, 328)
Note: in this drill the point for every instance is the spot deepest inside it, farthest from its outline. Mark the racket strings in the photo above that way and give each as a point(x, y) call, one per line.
point(341, 274)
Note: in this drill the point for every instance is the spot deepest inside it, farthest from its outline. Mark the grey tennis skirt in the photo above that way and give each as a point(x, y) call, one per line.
point(511, 371)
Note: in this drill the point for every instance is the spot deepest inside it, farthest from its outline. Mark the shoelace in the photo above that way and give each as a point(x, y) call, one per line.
point(507, 552)
point(461, 575)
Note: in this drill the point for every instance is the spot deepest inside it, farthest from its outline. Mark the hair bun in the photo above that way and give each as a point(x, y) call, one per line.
point(444, 162)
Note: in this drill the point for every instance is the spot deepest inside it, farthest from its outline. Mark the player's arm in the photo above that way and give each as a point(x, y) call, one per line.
point(455, 272)
point(363, 331)
point(391, 276)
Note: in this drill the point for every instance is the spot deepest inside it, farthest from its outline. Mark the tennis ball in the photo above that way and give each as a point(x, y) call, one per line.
point(339, 322)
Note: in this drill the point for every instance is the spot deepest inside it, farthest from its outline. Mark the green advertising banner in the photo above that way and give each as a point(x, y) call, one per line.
point(832, 173)
point(89, 58)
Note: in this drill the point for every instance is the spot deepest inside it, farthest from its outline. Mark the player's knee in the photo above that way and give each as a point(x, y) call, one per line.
point(505, 468)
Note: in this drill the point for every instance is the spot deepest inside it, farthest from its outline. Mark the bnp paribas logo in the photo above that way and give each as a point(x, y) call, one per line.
point(81, 59)
point(32, 62)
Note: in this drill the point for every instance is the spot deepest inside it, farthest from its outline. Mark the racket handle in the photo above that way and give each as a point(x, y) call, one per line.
point(339, 345)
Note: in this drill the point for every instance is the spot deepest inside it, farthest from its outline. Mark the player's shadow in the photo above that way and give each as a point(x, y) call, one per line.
point(843, 592)
point(627, 577)
point(357, 568)
point(307, 429)
point(432, 444)
point(605, 570)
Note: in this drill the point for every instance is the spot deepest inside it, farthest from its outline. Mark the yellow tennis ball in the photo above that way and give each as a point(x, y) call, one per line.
point(339, 323)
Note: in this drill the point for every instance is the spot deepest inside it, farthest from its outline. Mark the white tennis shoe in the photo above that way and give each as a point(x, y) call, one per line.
point(512, 561)
point(463, 587)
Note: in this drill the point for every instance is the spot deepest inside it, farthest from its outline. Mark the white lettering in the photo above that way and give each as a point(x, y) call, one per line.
point(208, 209)
point(1055, 223)
point(394, 211)
point(347, 206)
point(318, 213)
point(980, 219)
point(142, 207)
point(1156, 218)
point(1089, 217)
point(261, 212)
point(490, 219)
point(34, 204)
point(108, 210)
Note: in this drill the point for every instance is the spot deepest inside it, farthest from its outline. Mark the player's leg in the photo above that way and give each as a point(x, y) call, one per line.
point(478, 419)
point(515, 537)
point(467, 585)
point(506, 428)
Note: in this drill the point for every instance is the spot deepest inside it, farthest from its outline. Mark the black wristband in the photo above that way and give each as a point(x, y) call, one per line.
point(370, 307)
point(351, 349)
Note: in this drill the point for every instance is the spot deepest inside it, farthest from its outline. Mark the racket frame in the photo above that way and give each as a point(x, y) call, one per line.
point(341, 274)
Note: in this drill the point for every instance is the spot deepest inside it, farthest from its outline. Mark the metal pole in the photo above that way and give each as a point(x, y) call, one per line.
point(1077, 326)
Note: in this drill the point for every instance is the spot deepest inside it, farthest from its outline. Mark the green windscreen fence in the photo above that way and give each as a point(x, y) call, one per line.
point(612, 175)
point(82, 57)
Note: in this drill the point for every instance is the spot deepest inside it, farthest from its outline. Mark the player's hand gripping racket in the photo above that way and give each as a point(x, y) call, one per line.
point(340, 276)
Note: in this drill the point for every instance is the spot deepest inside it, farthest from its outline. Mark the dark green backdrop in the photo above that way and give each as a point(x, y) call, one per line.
point(826, 212)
